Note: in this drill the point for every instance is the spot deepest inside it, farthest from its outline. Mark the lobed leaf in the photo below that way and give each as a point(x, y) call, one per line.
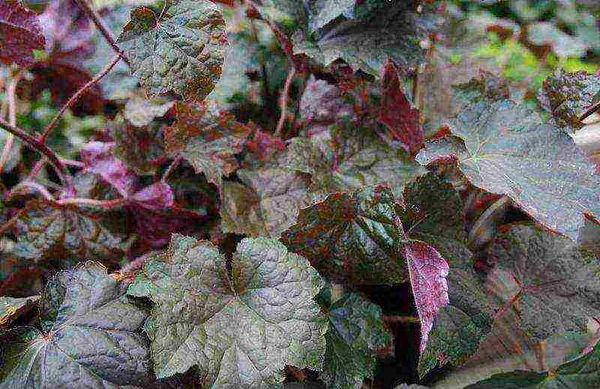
point(20, 33)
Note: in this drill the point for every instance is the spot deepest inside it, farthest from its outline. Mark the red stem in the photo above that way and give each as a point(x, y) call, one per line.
point(283, 101)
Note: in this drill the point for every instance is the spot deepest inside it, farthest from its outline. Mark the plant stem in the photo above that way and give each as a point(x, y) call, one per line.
point(104, 204)
point(171, 168)
point(136, 264)
point(85, 7)
point(76, 97)
point(11, 91)
point(283, 101)
point(36, 145)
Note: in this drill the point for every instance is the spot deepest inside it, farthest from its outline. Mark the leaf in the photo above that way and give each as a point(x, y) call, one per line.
point(11, 308)
point(545, 280)
point(51, 231)
point(507, 150)
point(266, 204)
point(90, 336)
point(239, 329)
point(321, 12)
point(140, 111)
point(20, 33)
point(578, 373)
point(208, 143)
point(428, 271)
point(181, 50)
point(561, 43)
point(346, 161)
point(353, 238)
point(142, 149)
point(397, 112)
point(154, 197)
point(567, 96)
point(394, 32)
point(356, 334)
point(98, 158)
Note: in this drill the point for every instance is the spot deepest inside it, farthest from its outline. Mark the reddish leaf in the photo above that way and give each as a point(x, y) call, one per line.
point(428, 271)
point(264, 145)
point(20, 33)
point(397, 113)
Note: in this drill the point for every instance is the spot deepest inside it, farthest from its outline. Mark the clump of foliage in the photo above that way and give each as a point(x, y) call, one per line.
point(250, 194)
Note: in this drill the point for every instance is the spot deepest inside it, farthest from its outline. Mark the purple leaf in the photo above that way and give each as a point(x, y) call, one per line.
point(20, 33)
point(98, 159)
point(428, 271)
point(155, 197)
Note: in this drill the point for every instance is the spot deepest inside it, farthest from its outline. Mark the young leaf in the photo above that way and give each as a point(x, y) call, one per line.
point(11, 308)
point(90, 336)
point(352, 238)
point(52, 231)
point(180, 50)
point(567, 96)
point(507, 150)
point(20, 33)
point(266, 205)
point(238, 329)
point(545, 280)
point(397, 112)
point(99, 159)
point(356, 334)
point(583, 372)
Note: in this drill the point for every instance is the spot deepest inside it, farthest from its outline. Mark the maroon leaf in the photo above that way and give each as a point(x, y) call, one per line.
point(428, 271)
point(20, 33)
point(397, 112)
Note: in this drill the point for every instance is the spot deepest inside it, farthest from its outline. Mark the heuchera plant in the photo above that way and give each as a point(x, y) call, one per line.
point(250, 194)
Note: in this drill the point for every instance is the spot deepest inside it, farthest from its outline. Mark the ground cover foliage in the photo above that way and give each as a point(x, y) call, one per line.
point(302, 194)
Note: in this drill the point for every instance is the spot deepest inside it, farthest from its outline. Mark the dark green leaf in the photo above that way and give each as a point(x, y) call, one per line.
point(179, 50)
point(90, 336)
point(239, 330)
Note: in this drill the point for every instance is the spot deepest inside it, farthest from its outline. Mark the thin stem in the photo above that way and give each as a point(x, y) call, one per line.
point(136, 264)
point(11, 92)
point(85, 7)
point(33, 186)
point(76, 97)
point(172, 167)
point(283, 101)
point(104, 204)
point(590, 111)
point(36, 145)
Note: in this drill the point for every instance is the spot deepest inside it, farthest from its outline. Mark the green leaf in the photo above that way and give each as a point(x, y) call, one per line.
point(356, 333)
point(238, 329)
point(324, 11)
point(545, 280)
point(394, 32)
point(13, 307)
point(53, 231)
point(351, 163)
point(90, 336)
point(265, 204)
point(180, 50)
point(583, 372)
point(352, 237)
point(507, 150)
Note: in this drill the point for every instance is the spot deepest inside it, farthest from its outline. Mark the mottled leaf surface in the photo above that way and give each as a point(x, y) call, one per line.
point(90, 336)
point(238, 329)
point(20, 33)
point(53, 231)
point(180, 50)
point(567, 96)
point(582, 372)
point(266, 203)
point(322, 12)
point(352, 237)
point(140, 111)
point(507, 150)
point(545, 280)
point(12, 307)
point(356, 334)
